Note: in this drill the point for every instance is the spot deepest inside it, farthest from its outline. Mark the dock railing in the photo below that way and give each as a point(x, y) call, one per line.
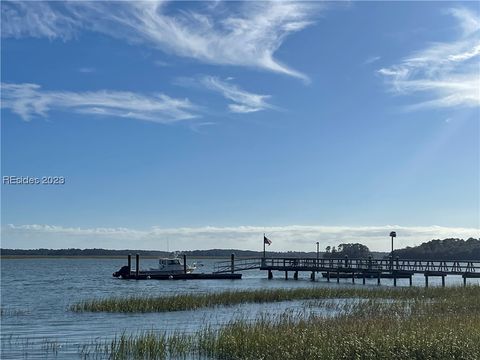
point(458, 267)
point(454, 267)
point(231, 266)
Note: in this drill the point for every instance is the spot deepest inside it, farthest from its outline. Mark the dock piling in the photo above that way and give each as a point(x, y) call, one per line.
point(232, 263)
point(184, 263)
point(426, 280)
point(137, 265)
point(295, 275)
point(270, 275)
point(129, 263)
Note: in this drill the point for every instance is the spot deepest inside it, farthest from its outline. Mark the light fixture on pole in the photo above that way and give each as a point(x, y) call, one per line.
point(392, 235)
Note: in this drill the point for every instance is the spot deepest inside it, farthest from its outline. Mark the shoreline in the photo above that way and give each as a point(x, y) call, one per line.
point(6, 257)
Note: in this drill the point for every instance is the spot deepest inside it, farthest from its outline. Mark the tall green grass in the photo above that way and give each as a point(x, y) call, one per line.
point(426, 324)
point(142, 304)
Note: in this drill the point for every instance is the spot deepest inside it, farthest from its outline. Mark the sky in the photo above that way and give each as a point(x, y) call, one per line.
point(207, 124)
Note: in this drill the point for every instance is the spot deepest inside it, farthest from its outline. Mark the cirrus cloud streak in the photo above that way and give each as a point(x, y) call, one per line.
point(243, 101)
point(447, 74)
point(240, 34)
point(30, 100)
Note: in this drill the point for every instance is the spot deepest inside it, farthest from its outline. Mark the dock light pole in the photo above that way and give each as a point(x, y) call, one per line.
point(318, 250)
point(392, 235)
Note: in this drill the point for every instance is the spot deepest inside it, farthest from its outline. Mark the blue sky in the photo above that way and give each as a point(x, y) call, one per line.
point(211, 123)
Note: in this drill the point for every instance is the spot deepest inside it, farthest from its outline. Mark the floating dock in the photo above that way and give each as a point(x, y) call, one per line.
point(126, 273)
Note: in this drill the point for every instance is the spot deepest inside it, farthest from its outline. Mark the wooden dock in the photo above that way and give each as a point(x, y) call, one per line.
point(335, 268)
point(338, 268)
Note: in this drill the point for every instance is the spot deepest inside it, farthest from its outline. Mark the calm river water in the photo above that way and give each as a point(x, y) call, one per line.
point(36, 295)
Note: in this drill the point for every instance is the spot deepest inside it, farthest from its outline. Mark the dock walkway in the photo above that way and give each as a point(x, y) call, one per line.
point(356, 268)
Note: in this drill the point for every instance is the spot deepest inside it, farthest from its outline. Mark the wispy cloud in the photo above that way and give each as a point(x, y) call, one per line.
point(467, 20)
point(242, 34)
point(291, 237)
point(86, 70)
point(37, 19)
point(161, 63)
point(29, 100)
point(243, 101)
point(447, 74)
point(371, 60)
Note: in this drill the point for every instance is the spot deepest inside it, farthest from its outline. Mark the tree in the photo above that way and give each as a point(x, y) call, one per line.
point(351, 250)
point(447, 249)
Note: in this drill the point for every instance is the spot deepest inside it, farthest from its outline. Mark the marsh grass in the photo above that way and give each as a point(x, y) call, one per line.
point(427, 324)
point(13, 312)
point(143, 304)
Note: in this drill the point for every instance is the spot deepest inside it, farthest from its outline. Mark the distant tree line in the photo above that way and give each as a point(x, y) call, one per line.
point(447, 249)
point(355, 250)
point(192, 253)
point(78, 252)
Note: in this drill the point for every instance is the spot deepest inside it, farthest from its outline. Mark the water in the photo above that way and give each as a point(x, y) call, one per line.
point(36, 295)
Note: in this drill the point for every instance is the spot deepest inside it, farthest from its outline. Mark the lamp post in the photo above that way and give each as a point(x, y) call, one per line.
point(318, 250)
point(392, 235)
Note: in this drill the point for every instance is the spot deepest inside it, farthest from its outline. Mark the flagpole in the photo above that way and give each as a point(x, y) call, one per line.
point(264, 245)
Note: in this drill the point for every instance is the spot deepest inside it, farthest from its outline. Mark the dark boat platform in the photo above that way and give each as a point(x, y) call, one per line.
point(145, 275)
point(126, 273)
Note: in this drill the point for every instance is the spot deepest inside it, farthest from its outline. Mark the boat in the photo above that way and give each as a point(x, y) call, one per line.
point(172, 266)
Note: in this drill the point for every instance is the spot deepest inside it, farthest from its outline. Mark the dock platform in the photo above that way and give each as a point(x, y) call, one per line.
point(146, 275)
point(126, 273)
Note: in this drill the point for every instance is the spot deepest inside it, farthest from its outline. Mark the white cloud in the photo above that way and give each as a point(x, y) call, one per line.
point(86, 70)
point(243, 101)
point(161, 63)
point(242, 34)
point(285, 238)
point(468, 21)
point(29, 100)
point(36, 19)
point(447, 74)
point(371, 60)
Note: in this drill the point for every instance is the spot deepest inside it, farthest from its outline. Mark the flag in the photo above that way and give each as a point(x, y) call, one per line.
point(266, 240)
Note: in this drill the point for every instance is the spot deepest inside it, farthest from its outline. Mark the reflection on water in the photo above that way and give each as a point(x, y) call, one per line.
point(36, 294)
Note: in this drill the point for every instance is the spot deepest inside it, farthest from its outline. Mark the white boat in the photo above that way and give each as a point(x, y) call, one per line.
point(171, 266)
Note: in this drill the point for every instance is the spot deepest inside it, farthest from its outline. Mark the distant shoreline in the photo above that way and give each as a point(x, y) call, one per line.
point(447, 249)
point(6, 257)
